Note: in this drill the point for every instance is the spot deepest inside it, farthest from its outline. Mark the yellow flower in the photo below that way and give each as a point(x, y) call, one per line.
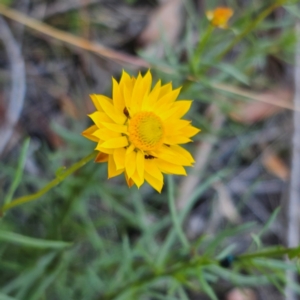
point(219, 16)
point(139, 130)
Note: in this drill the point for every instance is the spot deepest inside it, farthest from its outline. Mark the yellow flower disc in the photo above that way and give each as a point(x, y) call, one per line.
point(146, 131)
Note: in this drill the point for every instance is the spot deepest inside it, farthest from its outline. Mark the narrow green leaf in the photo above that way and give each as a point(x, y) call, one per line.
point(26, 241)
point(256, 240)
point(207, 289)
point(19, 172)
point(4, 297)
point(170, 239)
point(269, 222)
point(233, 71)
point(175, 217)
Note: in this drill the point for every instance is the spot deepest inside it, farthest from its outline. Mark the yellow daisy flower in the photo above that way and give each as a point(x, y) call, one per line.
point(139, 130)
point(219, 17)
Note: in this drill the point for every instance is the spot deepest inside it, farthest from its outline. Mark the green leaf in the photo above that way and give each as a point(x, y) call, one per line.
point(19, 172)
point(171, 237)
point(4, 297)
point(269, 222)
point(175, 217)
point(233, 71)
point(207, 289)
point(26, 241)
point(256, 240)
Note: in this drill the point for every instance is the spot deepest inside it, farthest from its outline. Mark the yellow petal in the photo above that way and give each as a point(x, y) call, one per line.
point(104, 150)
point(152, 98)
point(170, 168)
point(160, 109)
point(172, 126)
point(96, 102)
point(115, 127)
point(119, 157)
point(178, 150)
point(138, 180)
point(170, 97)
point(130, 163)
point(165, 89)
point(174, 140)
point(127, 92)
point(155, 183)
point(152, 168)
point(137, 94)
point(88, 133)
point(105, 134)
point(173, 155)
point(110, 110)
point(179, 109)
point(126, 80)
point(112, 170)
point(118, 97)
point(115, 143)
point(140, 163)
point(189, 131)
point(147, 82)
point(99, 117)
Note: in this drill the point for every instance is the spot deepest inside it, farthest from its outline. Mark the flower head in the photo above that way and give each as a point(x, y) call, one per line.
point(219, 17)
point(139, 130)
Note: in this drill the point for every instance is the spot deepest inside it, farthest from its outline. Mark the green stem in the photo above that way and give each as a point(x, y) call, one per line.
point(200, 47)
point(59, 178)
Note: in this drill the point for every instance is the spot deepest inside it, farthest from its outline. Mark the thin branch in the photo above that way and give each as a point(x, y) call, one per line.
point(17, 94)
point(60, 177)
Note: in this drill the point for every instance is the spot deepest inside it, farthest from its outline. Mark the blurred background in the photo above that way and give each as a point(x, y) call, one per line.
point(53, 54)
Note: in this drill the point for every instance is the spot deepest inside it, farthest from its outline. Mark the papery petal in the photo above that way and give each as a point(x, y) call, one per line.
point(115, 143)
point(179, 109)
point(154, 182)
point(99, 117)
point(88, 133)
point(119, 157)
point(130, 163)
point(152, 168)
point(105, 134)
point(169, 168)
point(112, 170)
point(108, 107)
point(118, 97)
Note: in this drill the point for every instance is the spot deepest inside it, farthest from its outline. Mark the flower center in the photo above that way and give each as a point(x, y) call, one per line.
point(146, 131)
